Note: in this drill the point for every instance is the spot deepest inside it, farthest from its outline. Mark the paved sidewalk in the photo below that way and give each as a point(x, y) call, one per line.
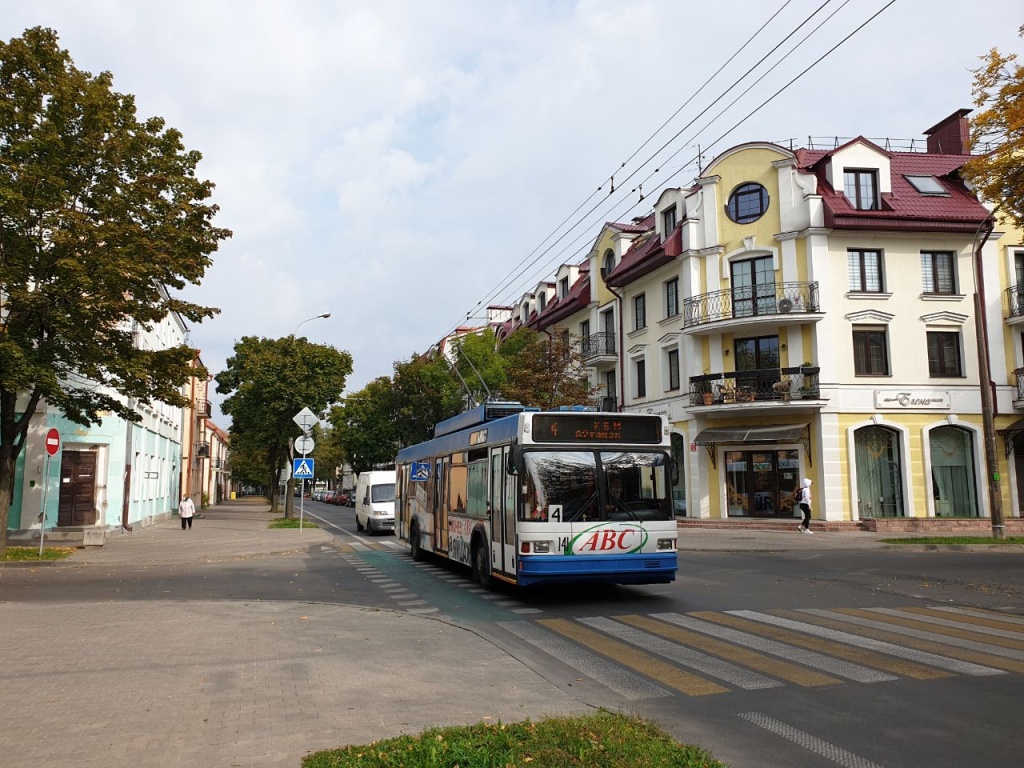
point(234, 683)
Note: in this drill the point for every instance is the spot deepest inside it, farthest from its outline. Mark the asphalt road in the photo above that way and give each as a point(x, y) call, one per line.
point(804, 658)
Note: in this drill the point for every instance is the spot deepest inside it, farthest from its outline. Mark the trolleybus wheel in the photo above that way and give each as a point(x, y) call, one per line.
point(414, 543)
point(481, 566)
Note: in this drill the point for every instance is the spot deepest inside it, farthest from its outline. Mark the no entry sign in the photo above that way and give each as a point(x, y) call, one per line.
point(52, 442)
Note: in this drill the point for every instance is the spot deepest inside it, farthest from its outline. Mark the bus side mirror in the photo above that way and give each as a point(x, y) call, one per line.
point(515, 460)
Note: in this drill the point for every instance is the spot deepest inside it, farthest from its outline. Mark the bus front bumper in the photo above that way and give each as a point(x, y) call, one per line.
point(655, 568)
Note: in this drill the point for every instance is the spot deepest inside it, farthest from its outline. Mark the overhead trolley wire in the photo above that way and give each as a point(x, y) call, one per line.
point(738, 51)
point(526, 265)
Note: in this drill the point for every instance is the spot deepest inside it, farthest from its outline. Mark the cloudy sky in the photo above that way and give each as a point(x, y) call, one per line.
point(401, 164)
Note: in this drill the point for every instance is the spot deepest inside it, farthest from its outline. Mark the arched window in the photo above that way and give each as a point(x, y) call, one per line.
point(952, 458)
point(879, 472)
point(607, 263)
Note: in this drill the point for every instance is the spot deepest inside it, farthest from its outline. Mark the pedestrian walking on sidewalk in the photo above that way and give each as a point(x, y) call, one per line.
point(804, 501)
point(185, 510)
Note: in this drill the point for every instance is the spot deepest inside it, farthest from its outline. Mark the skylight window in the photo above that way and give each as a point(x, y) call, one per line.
point(927, 185)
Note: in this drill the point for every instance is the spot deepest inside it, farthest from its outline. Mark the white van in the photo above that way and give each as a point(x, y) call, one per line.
point(375, 501)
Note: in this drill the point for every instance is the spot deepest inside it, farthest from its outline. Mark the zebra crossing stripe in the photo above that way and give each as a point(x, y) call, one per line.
point(826, 749)
point(967, 650)
point(1002, 618)
point(980, 626)
point(701, 662)
point(644, 663)
point(792, 673)
point(714, 626)
point(792, 635)
point(623, 682)
point(935, 660)
point(936, 626)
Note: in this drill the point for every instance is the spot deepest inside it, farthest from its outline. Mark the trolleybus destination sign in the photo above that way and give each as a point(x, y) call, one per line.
point(580, 428)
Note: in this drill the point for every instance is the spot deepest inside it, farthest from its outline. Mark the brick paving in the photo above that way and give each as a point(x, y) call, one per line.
point(203, 683)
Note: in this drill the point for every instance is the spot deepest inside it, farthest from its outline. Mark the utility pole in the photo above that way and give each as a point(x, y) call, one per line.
point(995, 495)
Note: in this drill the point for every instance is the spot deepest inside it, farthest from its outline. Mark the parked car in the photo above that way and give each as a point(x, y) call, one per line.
point(329, 497)
point(341, 499)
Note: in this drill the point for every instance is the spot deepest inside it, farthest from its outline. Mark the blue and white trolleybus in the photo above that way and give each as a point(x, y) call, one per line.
point(532, 497)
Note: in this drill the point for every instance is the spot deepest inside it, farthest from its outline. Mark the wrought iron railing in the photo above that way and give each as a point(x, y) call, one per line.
point(608, 404)
point(781, 384)
point(1015, 301)
point(1019, 373)
point(751, 301)
point(597, 344)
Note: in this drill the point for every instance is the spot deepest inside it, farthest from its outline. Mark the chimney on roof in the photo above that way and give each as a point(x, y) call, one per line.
point(951, 136)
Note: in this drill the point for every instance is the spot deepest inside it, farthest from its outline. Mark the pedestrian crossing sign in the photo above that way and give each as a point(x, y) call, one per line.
point(302, 469)
point(420, 471)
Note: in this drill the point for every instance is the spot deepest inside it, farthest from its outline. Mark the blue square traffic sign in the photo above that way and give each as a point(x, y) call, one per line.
point(302, 469)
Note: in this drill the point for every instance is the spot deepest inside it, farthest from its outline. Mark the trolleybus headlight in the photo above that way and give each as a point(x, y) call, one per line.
point(666, 544)
point(542, 547)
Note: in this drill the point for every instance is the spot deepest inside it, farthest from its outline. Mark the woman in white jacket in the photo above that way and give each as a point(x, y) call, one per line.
point(805, 505)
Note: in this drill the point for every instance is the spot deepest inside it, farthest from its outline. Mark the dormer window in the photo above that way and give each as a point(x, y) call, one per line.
point(542, 301)
point(607, 263)
point(928, 186)
point(861, 188)
point(563, 287)
point(668, 221)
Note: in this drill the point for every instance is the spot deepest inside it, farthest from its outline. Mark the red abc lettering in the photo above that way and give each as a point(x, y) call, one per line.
point(590, 543)
point(608, 540)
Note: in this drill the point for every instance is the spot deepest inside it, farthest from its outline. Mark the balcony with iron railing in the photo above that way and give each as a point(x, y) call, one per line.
point(607, 404)
point(599, 347)
point(203, 408)
point(793, 303)
point(768, 387)
point(1018, 399)
point(1014, 304)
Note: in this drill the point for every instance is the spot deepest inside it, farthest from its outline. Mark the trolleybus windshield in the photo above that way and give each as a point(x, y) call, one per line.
point(596, 485)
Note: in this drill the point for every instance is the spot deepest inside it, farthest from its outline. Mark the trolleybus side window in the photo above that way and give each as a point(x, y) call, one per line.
point(458, 484)
point(477, 506)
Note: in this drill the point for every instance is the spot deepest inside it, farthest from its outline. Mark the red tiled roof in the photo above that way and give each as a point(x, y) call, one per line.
point(576, 299)
point(647, 254)
point(905, 207)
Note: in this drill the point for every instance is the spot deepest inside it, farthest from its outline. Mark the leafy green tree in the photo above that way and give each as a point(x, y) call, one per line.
point(545, 371)
point(101, 218)
point(248, 460)
point(998, 175)
point(268, 381)
point(425, 392)
point(366, 426)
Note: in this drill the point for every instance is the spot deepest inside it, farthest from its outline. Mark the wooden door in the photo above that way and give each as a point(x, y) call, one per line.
point(77, 488)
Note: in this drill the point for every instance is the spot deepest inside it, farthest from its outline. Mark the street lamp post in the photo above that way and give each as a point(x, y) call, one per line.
point(325, 315)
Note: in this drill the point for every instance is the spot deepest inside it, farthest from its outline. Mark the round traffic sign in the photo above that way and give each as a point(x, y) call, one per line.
point(304, 444)
point(52, 441)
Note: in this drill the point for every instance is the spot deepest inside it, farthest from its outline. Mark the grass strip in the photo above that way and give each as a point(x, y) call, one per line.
point(601, 740)
point(291, 522)
point(957, 540)
point(29, 554)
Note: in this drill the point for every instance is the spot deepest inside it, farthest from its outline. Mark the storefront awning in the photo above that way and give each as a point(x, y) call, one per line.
point(767, 433)
point(1010, 434)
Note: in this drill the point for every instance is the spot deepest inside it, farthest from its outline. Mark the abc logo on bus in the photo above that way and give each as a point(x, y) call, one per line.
point(613, 538)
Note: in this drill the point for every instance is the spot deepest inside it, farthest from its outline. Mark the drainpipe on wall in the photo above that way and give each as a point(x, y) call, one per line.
point(622, 363)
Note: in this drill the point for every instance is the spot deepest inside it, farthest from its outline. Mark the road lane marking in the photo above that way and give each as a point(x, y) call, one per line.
point(719, 625)
point(811, 743)
point(681, 654)
point(792, 673)
point(599, 669)
point(654, 668)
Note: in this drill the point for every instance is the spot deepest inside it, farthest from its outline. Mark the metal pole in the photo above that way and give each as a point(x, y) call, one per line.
point(302, 493)
point(42, 516)
point(995, 495)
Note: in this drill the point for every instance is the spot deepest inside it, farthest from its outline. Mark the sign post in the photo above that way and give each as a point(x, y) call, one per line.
point(305, 419)
point(52, 446)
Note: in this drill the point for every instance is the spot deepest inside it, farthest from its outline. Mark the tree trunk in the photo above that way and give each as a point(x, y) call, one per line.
point(6, 491)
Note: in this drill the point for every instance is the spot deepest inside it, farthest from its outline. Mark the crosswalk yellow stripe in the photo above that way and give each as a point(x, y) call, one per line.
point(629, 656)
point(937, 629)
point(860, 656)
point(964, 618)
point(715, 647)
point(954, 652)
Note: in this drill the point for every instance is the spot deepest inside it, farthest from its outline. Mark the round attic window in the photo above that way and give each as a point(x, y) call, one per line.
point(747, 203)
